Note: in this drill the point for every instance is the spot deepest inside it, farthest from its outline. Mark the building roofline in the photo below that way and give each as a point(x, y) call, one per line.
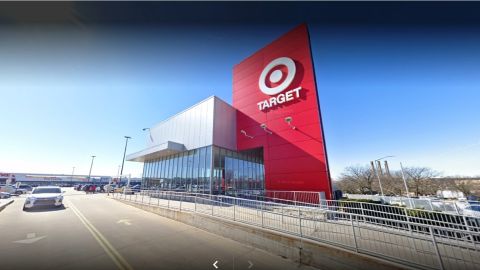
point(188, 108)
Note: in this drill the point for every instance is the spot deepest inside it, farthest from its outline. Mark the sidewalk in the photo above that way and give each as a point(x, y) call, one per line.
point(5, 202)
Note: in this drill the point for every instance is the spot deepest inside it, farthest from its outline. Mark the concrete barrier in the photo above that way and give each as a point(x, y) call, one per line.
point(299, 250)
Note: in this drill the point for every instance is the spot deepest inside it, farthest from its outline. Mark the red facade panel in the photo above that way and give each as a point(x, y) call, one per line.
point(276, 83)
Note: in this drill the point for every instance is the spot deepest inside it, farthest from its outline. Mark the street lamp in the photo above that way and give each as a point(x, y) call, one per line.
point(406, 186)
point(149, 132)
point(124, 153)
point(376, 173)
point(90, 172)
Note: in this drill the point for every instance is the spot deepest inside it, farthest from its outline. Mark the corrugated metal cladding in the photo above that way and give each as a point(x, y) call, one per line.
point(194, 127)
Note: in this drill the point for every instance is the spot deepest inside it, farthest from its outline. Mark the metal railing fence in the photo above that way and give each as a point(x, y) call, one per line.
point(403, 240)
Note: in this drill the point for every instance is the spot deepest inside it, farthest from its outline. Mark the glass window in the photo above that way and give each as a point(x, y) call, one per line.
point(235, 173)
point(196, 156)
point(170, 167)
point(173, 173)
point(201, 169)
point(148, 169)
point(240, 174)
point(208, 170)
point(228, 175)
point(161, 164)
point(163, 167)
point(157, 169)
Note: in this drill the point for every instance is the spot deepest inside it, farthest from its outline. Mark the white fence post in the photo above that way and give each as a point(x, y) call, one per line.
point(300, 221)
point(262, 212)
point(353, 233)
point(436, 248)
point(234, 208)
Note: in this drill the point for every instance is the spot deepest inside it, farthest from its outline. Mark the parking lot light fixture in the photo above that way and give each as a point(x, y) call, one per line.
point(149, 133)
point(90, 172)
point(124, 153)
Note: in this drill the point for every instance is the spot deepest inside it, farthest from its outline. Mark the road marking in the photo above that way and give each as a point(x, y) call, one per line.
point(215, 264)
point(250, 264)
point(124, 221)
point(30, 239)
point(119, 261)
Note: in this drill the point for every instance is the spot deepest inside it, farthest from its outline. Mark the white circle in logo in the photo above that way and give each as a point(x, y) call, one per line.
point(277, 75)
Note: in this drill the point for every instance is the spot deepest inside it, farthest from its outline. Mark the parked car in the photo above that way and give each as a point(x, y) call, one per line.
point(127, 190)
point(4, 195)
point(472, 211)
point(44, 196)
point(85, 188)
point(136, 188)
point(12, 189)
point(26, 187)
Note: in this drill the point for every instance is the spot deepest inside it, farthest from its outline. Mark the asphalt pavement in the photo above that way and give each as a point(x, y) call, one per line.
point(96, 232)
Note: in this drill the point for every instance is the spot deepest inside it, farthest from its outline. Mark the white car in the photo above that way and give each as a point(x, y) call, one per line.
point(44, 196)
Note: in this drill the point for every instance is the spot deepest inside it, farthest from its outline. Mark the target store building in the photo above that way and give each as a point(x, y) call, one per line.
point(269, 139)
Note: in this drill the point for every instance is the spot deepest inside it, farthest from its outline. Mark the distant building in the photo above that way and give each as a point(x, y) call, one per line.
point(56, 179)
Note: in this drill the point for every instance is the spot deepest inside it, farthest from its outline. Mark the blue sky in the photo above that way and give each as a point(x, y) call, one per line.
point(386, 87)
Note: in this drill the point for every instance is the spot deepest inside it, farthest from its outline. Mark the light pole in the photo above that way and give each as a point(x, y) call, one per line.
point(376, 173)
point(124, 153)
point(149, 133)
point(90, 172)
point(118, 173)
point(71, 178)
point(406, 186)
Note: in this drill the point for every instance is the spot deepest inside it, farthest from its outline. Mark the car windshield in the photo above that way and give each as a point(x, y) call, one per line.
point(46, 190)
point(475, 207)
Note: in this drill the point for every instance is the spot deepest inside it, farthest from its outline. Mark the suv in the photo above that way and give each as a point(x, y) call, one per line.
point(44, 196)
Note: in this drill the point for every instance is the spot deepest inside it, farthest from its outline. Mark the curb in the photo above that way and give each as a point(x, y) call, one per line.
point(5, 205)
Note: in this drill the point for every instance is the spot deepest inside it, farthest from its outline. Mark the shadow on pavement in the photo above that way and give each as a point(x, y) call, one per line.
point(45, 209)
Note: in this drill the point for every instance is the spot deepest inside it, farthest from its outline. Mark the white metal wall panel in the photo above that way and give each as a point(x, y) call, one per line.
point(225, 125)
point(192, 127)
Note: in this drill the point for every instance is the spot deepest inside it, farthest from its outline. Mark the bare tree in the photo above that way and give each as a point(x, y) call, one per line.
point(393, 184)
point(463, 186)
point(421, 179)
point(357, 179)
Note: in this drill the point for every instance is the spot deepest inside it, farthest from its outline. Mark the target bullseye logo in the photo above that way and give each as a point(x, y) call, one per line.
point(277, 75)
point(273, 82)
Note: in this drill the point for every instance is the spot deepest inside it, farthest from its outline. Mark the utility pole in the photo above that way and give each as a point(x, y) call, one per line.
point(124, 153)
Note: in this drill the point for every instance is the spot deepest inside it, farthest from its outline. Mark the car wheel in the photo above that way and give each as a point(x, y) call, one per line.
point(24, 208)
point(18, 192)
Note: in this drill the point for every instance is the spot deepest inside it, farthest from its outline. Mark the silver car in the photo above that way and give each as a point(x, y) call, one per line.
point(44, 196)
